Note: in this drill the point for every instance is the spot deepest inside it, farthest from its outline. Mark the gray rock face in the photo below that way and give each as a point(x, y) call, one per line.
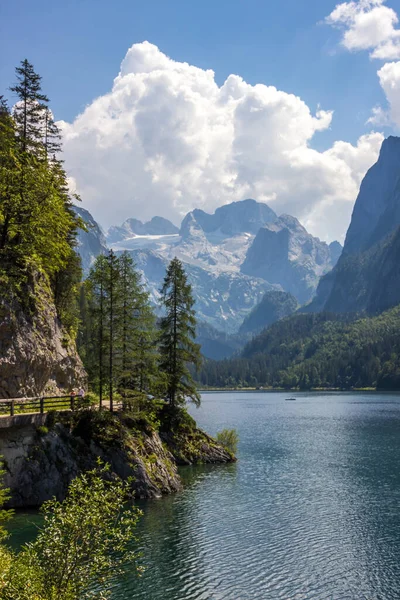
point(132, 227)
point(222, 299)
point(91, 243)
point(273, 307)
point(36, 356)
point(238, 217)
point(284, 253)
point(377, 209)
point(367, 275)
point(41, 467)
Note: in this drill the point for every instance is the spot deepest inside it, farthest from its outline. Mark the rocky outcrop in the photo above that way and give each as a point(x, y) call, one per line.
point(37, 357)
point(40, 464)
point(195, 447)
point(45, 452)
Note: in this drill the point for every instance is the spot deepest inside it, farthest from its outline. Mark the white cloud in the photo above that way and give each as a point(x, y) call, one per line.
point(380, 117)
point(167, 139)
point(389, 78)
point(368, 25)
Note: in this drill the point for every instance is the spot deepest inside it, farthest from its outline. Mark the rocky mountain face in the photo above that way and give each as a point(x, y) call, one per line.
point(133, 227)
point(232, 257)
point(90, 243)
point(377, 209)
point(273, 307)
point(222, 299)
point(246, 216)
point(37, 357)
point(217, 344)
point(367, 275)
point(284, 253)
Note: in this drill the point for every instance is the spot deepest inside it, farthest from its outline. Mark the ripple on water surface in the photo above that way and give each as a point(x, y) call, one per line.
point(310, 511)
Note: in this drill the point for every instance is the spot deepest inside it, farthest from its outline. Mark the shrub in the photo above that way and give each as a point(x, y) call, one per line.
point(42, 430)
point(228, 438)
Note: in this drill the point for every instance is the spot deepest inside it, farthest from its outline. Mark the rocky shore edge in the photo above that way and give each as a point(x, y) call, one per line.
point(42, 458)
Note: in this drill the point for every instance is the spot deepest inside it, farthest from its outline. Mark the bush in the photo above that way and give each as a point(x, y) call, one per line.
point(84, 543)
point(42, 430)
point(176, 419)
point(228, 438)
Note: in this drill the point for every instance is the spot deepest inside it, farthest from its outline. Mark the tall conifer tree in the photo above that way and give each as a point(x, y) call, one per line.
point(178, 330)
point(30, 110)
point(121, 344)
point(137, 333)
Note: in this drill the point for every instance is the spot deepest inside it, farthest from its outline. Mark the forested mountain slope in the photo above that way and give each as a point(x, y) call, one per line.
point(317, 350)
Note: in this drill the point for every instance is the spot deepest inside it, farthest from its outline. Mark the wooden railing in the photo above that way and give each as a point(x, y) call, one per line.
point(17, 406)
point(42, 404)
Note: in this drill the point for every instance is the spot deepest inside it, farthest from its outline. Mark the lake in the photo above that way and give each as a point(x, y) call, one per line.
point(311, 510)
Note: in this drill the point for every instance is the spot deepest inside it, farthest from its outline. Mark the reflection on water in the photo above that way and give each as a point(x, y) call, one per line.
point(310, 511)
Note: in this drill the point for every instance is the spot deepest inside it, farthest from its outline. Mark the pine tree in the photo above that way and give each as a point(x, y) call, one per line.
point(178, 329)
point(112, 283)
point(52, 136)
point(118, 329)
point(9, 175)
point(37, 222)
point(30, 110)
point(93, 344)
point(137, 332)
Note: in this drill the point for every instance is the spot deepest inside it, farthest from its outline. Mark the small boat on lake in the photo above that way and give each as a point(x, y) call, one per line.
point(290, 399)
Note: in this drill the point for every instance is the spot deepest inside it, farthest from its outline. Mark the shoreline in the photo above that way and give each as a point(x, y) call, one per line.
point(296, 390)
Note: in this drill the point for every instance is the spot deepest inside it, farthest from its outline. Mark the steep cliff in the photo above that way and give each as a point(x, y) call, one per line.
point(284, 253)
point(37, 356)
point(367, 275)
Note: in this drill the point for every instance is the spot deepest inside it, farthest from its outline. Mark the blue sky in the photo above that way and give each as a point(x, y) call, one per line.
point(78, 45)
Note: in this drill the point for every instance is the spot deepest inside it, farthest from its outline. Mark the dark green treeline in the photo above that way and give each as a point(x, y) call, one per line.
point(316, 351)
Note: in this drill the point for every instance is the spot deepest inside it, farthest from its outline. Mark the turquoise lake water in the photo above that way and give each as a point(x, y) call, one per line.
point(311, 511)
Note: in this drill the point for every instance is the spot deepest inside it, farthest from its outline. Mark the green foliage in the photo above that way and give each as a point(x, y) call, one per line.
point(42, 430)
point(5, 515)
point(317, 350)
point(37, 223)
point(229, 439)
point(176, 419)
point(177, 334)
point(84, 543)
point(118, 338)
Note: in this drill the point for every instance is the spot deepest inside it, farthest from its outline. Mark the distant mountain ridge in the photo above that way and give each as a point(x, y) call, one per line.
point(90, 243)
point(227, 260)
point(132, 227)
point(246, 216)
